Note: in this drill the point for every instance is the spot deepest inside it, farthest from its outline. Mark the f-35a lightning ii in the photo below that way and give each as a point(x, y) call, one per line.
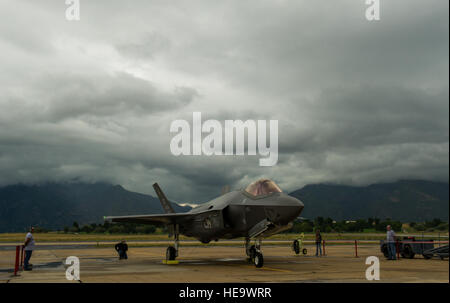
point(259, 211)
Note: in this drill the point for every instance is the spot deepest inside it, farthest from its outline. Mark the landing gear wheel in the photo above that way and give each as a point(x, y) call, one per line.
point(304, 251)
point(171, 253)
point(258, 260)
point(252, 252)
point(296, 247)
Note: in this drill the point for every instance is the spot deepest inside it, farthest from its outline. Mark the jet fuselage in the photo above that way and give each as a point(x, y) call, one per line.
point(236, 214)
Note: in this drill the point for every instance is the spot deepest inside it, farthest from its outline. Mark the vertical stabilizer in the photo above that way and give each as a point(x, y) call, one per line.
point(162, 198)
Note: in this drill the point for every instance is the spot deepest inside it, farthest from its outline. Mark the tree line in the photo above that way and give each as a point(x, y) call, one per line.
point(328, 225)
point(115, 228)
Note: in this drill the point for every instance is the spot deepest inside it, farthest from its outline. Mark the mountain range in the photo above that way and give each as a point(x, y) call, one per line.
point(406, 201)
point(55, 205)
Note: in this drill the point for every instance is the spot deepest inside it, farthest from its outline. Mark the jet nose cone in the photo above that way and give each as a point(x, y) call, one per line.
point(299, 205)
point(291, 201)
point(292, 208)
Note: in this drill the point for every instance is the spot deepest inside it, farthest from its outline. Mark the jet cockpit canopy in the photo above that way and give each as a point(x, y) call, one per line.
point(263, 187)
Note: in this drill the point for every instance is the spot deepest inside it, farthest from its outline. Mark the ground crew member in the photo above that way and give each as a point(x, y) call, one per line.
point(122, 248)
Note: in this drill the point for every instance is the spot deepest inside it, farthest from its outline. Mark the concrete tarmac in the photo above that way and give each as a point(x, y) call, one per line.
point(221, 264)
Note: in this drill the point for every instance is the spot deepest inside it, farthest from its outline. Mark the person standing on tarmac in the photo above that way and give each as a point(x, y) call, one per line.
point(318, 243)
point(390, 239)
point(28, 247)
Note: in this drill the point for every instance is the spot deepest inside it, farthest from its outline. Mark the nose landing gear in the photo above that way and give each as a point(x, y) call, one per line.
point(258, 260)
point(254, 252)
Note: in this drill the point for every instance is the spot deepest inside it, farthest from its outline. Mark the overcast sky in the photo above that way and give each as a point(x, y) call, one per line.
point(357, 102)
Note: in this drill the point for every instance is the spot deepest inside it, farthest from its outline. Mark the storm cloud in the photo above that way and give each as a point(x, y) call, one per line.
point(357, 102)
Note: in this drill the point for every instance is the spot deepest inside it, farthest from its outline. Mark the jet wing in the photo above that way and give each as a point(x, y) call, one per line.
point(157, 219)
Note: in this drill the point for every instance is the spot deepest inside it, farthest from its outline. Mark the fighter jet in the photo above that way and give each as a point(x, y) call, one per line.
point(260, 210)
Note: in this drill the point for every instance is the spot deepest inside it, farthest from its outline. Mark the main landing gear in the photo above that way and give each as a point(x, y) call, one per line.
point(172, 251)
point(254, 252)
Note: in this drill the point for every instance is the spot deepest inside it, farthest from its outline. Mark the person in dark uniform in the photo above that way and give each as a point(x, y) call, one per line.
point(122, 248)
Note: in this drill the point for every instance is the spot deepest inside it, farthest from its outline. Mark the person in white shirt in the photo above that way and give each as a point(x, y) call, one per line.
point(28, 247)
point(390, 239)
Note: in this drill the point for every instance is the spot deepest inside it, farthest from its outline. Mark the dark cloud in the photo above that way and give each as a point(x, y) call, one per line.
point(79, 95)
point(357, 102)
point(364, 116)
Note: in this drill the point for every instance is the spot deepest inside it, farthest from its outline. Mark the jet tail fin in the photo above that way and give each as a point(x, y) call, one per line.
point(162, 198)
